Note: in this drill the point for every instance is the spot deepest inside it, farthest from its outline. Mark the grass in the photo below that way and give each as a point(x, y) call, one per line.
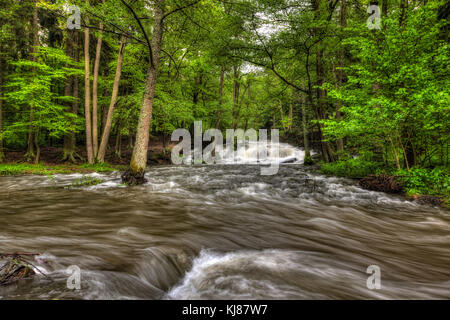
point(86, 181)
point(13, 169)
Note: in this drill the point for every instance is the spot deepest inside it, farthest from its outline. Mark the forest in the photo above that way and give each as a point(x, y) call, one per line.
point(350, 97)
point(363, 84)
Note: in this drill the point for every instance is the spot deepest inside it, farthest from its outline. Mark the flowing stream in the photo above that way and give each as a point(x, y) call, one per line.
point(222, 232)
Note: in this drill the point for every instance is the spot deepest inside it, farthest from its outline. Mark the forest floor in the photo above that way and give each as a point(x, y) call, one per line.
point(51, 160)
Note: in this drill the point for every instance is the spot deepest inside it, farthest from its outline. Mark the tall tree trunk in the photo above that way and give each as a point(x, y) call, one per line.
point(75, 104)
point(291, 109)
point(327, 153)
point(94, 92)
point(135, 175)
point(219, 108)
point(30, 154)
point(68, 152)
point(2, 154)
point(118, 147)
point(248, 105)
point(235, 95)
point(115, 91)
point(87, 94)
point(340, 142)
point(36, 145)
point(305, 127)
point(281, 114)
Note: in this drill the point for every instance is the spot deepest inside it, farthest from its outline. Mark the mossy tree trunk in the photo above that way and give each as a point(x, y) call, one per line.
point(136, 172)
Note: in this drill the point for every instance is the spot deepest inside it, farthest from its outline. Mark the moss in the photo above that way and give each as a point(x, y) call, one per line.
point(308, 161)
point(86, 181)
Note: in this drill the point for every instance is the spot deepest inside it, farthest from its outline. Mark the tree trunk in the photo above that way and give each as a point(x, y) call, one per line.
point(2, 154)
point(327, 153)
point(340, 142)
point(291, 109)
point(87, 94)
point(68, 145)
point(118, 148)
point(235, 95)
point(248, 106)
point(75, 104)
point(30, 154)
point(94, 92)
point(219, 109)
point(115, 91)
point(305, 127)
point(135, 175)
point(36, 145)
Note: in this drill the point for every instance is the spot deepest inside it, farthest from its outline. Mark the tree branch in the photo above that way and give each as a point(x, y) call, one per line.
point(180, 8)
point(143, 31)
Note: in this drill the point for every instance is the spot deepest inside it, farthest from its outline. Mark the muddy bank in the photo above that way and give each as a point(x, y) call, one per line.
point(394, 184)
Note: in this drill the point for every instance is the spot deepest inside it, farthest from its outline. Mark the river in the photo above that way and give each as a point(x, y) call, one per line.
point(222, 232)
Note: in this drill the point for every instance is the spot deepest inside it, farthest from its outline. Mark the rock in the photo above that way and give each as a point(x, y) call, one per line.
point(289, 160)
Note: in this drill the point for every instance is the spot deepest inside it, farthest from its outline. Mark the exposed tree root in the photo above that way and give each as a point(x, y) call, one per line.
point(71, 156)
point(133, 179)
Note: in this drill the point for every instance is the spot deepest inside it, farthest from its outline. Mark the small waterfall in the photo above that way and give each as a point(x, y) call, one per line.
point(276, 153)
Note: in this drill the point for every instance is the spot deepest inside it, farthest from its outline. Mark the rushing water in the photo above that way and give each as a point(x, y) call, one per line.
point(222, 232)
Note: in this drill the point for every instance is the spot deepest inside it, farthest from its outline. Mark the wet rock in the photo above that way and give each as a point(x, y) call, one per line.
point(383, 183)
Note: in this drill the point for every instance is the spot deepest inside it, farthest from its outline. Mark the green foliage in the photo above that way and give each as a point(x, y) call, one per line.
point(48, 170)
point(308, 161)
point(31, 93)
point(85, 181)
point(396, 96)
point(101, 167)
point(353, 168)
point(419, 181)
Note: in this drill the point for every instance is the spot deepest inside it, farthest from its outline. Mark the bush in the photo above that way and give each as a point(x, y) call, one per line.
point(419, 181)
point(353, 168)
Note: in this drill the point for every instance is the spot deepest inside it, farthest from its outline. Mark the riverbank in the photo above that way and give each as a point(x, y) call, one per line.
point(429, 186)
point(51, 162)
point(12, 169)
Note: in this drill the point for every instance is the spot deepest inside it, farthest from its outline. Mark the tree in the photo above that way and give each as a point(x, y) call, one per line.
point(115, 91)
point(31, 85)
